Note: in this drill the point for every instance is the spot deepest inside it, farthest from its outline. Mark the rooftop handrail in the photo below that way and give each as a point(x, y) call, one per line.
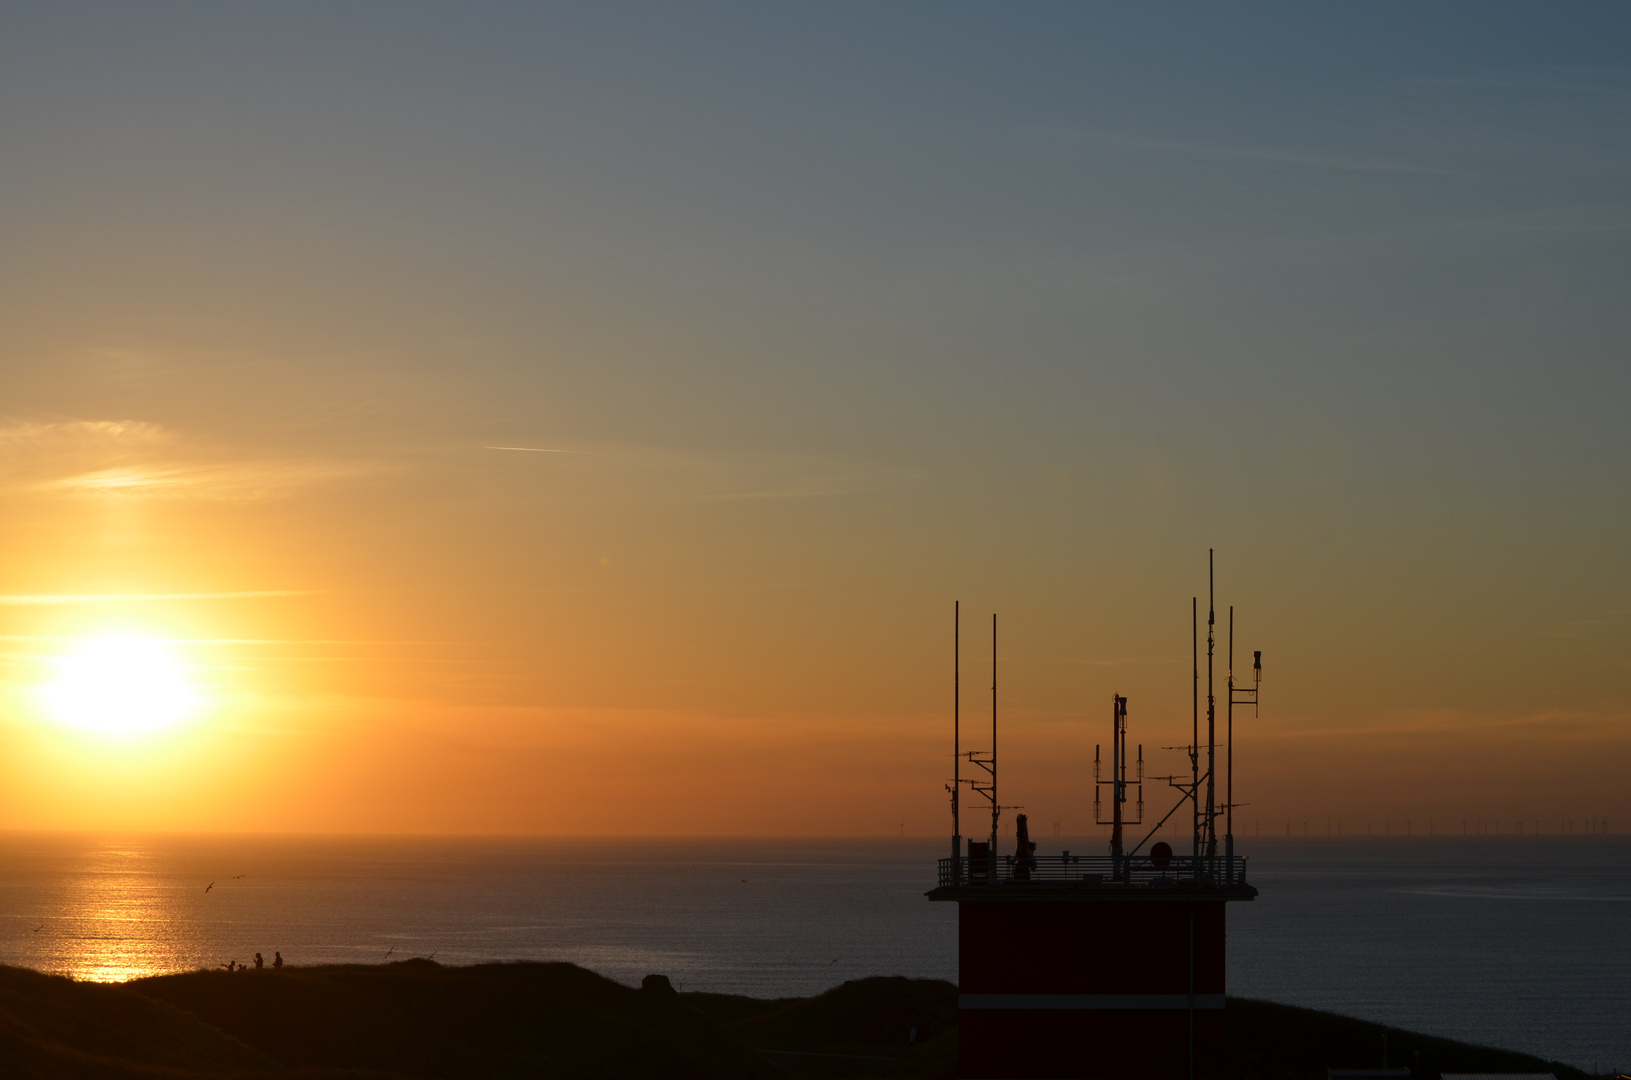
point(1094, 870)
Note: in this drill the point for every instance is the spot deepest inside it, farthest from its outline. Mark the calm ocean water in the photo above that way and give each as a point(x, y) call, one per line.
point(1523, 943)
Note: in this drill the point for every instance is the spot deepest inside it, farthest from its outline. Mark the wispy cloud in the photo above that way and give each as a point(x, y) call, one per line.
point(33, 434)
point(1575, 219)
point(1271, 155)
point(18, 600)
point(1592, 631)
point(137, 459)
point(743, 476)
point(756, 477)
point(227, 641)
point(238, 481)
point(1127, 661)
point(538, 449)
point(1449, 723)
point(801, 487)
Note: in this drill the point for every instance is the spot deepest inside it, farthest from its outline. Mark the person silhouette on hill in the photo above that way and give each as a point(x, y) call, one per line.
point(258, 961)
point(277, 959)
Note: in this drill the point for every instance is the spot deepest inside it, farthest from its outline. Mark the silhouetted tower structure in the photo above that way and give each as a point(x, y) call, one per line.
point(1102, 966)
point(980, 860)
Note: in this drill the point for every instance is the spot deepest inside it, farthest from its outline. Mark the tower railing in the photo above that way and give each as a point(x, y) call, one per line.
point(1095, 871)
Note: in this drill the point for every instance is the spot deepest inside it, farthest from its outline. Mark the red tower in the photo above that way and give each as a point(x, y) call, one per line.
point(1103, 966)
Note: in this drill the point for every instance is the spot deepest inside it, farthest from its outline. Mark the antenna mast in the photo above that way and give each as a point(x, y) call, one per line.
point(1211, 716)
point(983, 786)
point(1204, 836)
point(1195, 724)
point(996, 811)
point(1118, 784)
point(1237, 696)
point(956, 729)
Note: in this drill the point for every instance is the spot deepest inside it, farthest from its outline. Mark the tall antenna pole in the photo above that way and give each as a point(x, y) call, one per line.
point(1229, 758)
point(1118, 776)
point(1195, 726)
point(996, 810)
point(1211, 716)
point(956, 733)
point(1115, 785)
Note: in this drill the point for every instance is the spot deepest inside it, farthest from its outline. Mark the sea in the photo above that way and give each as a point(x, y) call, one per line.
point(1517, 942)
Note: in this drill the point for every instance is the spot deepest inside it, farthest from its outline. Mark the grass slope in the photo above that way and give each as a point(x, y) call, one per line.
point(845, 1031)
point(420, 1019)
point(55, 1027)
point(1282, 1042)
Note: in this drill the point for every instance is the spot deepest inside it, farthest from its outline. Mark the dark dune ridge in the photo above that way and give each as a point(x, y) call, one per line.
point(420, 1019)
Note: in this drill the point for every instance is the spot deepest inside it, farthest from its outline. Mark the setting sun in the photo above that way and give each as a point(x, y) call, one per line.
point(120, 685)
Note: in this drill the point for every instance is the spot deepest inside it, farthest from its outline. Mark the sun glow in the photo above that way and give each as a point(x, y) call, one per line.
point(120, 685)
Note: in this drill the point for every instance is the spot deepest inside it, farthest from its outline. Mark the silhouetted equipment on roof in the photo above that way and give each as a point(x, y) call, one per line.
point(1124, 970)
point(1024, 850)
point(1118, 778)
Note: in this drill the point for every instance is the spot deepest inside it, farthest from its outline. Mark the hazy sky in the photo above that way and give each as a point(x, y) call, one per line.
point(836, 314)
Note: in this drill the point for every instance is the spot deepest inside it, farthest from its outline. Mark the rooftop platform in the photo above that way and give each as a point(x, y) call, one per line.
point(1077, 878)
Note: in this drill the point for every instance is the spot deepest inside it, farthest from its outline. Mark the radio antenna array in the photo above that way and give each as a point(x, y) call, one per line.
point(1203, 762)
point(1204, 815)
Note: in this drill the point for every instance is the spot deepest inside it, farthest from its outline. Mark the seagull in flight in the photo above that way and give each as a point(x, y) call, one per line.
point(38, 928)
point(210, 886)
point(389, 951)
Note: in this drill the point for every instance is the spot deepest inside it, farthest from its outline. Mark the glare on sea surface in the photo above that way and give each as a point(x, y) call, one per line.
point(120, 685)
point(118, 915)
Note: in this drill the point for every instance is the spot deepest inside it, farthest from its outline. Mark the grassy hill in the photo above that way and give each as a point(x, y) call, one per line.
point(1282, 1042)
point(423, 1020)
point(862, 1028)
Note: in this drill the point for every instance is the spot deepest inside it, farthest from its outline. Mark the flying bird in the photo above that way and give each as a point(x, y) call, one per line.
point(389, 951)
point(235, 877)
point(210, 886)
point(38, 928)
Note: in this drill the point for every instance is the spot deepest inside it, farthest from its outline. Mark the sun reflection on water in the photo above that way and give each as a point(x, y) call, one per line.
point(116, 922)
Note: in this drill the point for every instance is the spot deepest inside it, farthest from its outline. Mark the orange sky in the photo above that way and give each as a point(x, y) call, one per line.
point(823, 355)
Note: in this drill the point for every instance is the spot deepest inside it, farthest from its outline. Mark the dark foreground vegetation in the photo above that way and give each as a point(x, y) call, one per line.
point(420, 1019)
